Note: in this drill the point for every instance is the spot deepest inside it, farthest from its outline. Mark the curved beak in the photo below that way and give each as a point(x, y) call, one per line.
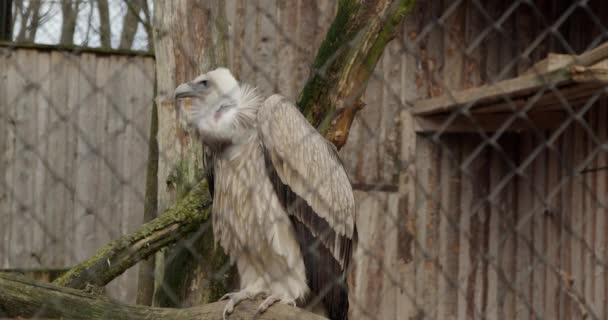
point(184, 90)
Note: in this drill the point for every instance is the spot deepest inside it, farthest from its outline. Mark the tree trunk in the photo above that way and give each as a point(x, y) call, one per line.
point(345, 61)
point(6, 20)
point(69, 11)
point(105, 32)
point(130, 22)
point(24, 297)
point(30, 20)
point(186, 45)
point(148, 25)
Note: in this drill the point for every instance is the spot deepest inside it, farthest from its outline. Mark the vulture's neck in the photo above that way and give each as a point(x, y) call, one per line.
point(244, 123)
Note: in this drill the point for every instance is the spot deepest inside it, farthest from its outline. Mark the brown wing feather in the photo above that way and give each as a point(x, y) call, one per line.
point(314, 189)
point(309, 165)
point(326, 276)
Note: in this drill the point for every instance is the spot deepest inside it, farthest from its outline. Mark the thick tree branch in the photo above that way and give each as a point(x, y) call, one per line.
point(23, 297)
point(345, 61)
point(115, 258)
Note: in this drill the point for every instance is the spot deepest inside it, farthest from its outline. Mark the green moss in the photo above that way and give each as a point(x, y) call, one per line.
point(336, 50)
point(329, 56)
point(189, 213)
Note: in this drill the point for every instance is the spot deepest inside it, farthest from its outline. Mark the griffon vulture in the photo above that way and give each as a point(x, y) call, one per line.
point(283, 206)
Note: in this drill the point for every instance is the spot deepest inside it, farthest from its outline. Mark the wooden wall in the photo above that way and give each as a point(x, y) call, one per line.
point(73, 146)
point(509, 229)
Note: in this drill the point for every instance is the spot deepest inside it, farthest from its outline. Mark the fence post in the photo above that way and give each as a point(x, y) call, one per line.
point(6, 20)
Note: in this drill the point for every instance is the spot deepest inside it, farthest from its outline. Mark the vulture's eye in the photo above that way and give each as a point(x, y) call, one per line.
point(203, 83)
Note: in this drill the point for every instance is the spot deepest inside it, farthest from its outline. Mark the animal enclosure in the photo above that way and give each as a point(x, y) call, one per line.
point(478, 161)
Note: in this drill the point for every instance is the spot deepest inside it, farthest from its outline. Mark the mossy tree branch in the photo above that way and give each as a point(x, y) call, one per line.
point(345, 62)
point(175, 223)
point(24, 297)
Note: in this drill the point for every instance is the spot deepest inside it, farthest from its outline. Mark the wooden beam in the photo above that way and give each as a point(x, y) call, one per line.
point(560, 71)
point(484, 95)
point(552, 62)
point(550, 100)
point(489, 122)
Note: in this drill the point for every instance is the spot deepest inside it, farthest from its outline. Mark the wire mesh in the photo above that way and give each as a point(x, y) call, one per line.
point(478, 163)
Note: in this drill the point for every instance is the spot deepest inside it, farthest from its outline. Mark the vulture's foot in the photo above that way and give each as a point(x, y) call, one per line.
point(233, 299)
point(272, 299)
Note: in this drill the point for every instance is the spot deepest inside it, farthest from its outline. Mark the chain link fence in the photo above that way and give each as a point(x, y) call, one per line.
point(478, 163)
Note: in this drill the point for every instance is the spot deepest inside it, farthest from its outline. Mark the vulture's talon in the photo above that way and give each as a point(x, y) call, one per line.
point(272, 299)
point(234, 298)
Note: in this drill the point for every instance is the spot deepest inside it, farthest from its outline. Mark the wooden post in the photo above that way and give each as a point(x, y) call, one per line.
point(189, 40)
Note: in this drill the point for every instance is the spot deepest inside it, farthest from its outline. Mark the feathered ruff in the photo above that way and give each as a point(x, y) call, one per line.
point(247, 108)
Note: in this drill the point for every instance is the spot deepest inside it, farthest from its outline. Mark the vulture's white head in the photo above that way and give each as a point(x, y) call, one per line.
point(223, 112)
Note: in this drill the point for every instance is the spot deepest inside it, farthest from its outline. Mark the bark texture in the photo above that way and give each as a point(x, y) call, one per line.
point(174, 224)
point(345, 62)
point(23, 297)
point(188, 41)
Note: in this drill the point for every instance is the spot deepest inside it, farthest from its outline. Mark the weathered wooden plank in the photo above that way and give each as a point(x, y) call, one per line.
point(486, 94)
point(468, 235)
point(391, 285)
point(577, 218)
point(588, 214)
point(490, 122)
point(43, 236)
point(565, 234)
point(306, 33)
point(25, 141)
point(106, 226)
point(495, 238)
point(538, 267)
point(375, 252)
point(524, 232)
point(55, 154)
point(249, 36)
point(287, 47)
point(554, 215)
point(601, 278)
point(266, 61)
point(519, 86)
point(7, 153)
point(551, 99)
point(390, 79)
point(427, 219)
point(409, 252)
point(452, 245)
point(71, 124)
point(87, 163)
point(116, 99)
point(508, 235)
point(449, 227)
point(552, 62)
